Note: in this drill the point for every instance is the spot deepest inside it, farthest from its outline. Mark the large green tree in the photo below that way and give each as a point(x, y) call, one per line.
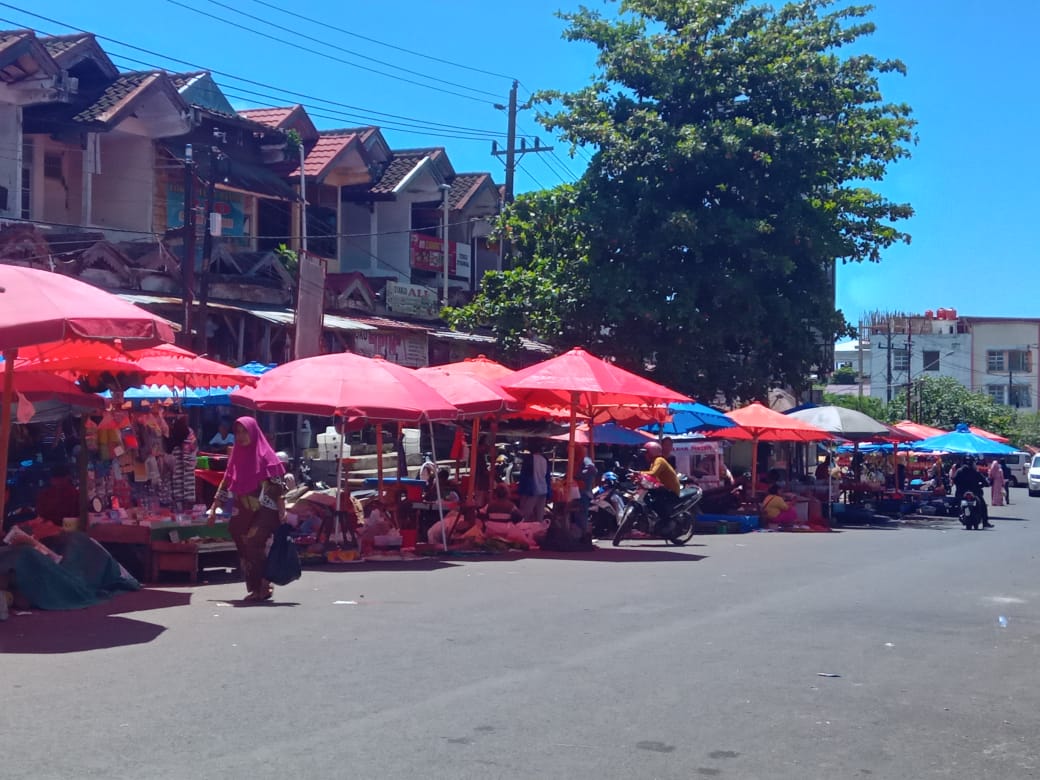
point(942, 402)
point(733, 149)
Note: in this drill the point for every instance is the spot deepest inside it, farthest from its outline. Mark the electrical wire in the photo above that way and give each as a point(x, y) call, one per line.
point(329, 56)
point(325, 25)
point(324, 42)
point(226, 74)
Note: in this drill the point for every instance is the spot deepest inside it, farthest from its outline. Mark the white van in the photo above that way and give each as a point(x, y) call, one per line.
point(1033, 482)
point(1019, 463)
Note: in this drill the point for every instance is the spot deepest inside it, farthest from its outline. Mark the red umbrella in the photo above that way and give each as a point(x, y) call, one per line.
point(74, 358)
point(471, 386)
point(176, 367)
point(481, 367)
point(756, 423)
point(917, 430)
point(40, 306)
point(471, 394)
point(988, 435)
point(583, 382)
point(47, 387)
point(348, 385)
point(578, 378)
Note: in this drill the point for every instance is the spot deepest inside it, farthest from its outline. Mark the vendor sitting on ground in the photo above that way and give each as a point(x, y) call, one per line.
point(776, 511)
point(727, 498)
point(446, 490)
point(502, 508)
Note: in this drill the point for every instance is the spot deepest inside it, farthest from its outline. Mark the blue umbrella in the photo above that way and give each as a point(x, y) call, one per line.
point(221, 396)
point(690, 417)
point(607, 433)
point(961, 441)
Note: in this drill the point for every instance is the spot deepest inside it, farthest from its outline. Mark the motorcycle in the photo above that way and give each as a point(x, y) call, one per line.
point(971, 514)
point(608, 502)
point(639, 513)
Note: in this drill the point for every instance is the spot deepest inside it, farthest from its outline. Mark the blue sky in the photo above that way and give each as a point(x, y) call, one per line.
point(972, 84)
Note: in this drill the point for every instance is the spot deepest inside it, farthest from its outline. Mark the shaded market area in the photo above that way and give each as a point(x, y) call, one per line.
point(116, 448)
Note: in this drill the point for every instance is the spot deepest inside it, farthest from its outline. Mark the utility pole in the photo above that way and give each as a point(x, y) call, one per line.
point(511, 144)
point(512, 153)
point(188, 262)
point(888, 354)
point(202, 338)
point(859, 348)
point(909, 361)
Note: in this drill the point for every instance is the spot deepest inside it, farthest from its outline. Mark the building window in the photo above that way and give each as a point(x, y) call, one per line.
point(995, 360)
point(901, 359)
point(1020, 396)
point(53, 167)
point(996, 392)
point(931, 360)
point(1019, 361)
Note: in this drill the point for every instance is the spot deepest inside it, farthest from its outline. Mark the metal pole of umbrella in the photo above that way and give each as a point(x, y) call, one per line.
point(379, 461)
point(5, 422)
point(337, 532)
point(473, 460)
point(437, 483)
point(570, 460)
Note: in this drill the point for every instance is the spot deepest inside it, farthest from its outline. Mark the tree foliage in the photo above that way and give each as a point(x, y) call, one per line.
point(942, 402)
point(874, 407)
point(734, 145)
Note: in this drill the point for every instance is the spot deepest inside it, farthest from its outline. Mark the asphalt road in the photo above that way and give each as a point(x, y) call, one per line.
point(641, 663)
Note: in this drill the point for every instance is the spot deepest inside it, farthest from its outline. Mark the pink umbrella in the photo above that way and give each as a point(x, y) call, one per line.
point(489, 372)
point(39, 306)
point(351, 386)
point(584, 383)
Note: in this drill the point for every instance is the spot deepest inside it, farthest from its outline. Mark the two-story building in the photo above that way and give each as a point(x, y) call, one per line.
point(992, 355)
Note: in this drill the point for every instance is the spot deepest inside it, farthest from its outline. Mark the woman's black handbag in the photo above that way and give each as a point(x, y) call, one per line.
point(283, 561)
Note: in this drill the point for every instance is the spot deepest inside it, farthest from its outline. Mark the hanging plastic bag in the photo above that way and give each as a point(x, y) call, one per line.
point(283, 561)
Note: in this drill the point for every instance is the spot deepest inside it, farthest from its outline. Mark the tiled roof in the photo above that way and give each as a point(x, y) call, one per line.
point(463, 187)
point(181, 80)
point(399, 167)
point(119, 91)
point(9, 37)
point(385, 323)
point(323, 154)
point(272, 117)
point(57, 44)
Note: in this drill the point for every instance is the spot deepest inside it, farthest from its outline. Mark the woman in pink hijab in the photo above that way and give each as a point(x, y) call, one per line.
point(254, 478)
point(996, 481)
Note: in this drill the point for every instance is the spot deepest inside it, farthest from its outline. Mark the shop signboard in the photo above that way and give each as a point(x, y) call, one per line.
point(405, 349)
point(462, 261)
point(427, 254)
point(230, 206)
point(413, 300)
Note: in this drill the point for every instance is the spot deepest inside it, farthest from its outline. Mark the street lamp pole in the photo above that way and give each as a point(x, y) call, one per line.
point(445, 189)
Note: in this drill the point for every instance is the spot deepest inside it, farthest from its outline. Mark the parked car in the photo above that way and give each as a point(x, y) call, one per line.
point(1020, 464)
point(1033, 480)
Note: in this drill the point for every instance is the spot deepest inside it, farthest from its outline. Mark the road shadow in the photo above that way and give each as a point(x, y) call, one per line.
point(98, 627)
point(626, 553)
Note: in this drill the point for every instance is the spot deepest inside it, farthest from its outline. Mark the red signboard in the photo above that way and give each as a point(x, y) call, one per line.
point(428, 254)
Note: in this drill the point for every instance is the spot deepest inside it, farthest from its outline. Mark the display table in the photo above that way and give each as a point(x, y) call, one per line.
point(147, 551)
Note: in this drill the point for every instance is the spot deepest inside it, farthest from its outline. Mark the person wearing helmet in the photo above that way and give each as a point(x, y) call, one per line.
point(968, 479)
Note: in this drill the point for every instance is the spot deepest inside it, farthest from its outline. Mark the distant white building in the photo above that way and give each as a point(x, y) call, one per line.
point(993, 355)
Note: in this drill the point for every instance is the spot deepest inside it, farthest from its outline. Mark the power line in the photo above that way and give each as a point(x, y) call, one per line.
point(325, 25)
point(226, 74)
point(522, 167)
point(329, 56)
point(324, 42)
